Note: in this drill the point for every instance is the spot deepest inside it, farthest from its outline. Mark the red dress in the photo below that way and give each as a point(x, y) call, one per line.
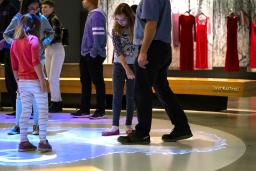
point(253, 46)
point(186, 23)
point(175, 29)
point(201, 44)
point(232, 62)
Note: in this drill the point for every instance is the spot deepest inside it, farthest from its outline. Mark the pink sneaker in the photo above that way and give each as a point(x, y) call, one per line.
point(110, 132)
point(128, 130)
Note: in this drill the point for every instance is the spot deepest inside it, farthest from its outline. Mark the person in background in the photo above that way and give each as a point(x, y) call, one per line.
point(54, 56)
point(28, 73)
point(152, 34)
point(123, 70)
point(93, 51)
point(7, 11)
point(134, 8)
point(46, 36)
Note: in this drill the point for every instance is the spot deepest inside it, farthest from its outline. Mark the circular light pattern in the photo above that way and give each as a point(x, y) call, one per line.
point(76, 144)
point(10, 156)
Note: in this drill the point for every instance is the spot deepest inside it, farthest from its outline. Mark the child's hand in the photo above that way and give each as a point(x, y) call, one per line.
point(130, 74)
point(43, 86)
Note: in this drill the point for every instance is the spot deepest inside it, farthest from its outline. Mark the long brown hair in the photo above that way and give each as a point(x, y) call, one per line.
point(28, 24)
point(124, 9)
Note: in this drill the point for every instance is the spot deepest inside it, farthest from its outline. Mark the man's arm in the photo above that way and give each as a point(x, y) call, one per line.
point(149, 34)
point(99, 33)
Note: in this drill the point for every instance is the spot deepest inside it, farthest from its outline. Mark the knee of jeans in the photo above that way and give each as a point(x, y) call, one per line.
point(130, 99)
point(118, 97)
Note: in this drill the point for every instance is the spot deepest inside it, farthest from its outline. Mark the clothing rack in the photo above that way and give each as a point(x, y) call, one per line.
point(189, 10)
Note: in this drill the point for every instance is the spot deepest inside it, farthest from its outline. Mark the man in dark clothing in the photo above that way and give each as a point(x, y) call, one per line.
point(152, 34)
point(7, 11)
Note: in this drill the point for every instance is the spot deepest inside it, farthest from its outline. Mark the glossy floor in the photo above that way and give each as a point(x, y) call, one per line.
point(222, 141)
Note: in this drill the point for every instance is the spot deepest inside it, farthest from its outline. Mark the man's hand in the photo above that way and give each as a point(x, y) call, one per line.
point(142, 60)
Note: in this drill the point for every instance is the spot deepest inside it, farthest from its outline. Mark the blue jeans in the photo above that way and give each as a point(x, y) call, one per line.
point(119, 78)
point(19, 110)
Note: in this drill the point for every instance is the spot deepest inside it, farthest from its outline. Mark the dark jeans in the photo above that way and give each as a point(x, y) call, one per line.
point(1, 56)
point(91, 71)
point(155, 75)
point(119, 78)
point(10, 81)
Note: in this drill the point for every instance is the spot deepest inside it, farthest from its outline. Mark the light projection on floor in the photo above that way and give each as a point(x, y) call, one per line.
point(77, 144)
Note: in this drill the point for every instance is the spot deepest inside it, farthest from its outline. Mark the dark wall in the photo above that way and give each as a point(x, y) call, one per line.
point(69, 12)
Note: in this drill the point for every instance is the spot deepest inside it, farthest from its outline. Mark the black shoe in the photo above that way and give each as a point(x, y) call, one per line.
point(11, 114)
point(55, 107)
point(80, 114)
point(15, 130)
point(98, 115)
point(177, 134)
point(133, 138)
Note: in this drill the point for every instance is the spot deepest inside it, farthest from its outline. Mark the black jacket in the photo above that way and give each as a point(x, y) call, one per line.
point(56, 25)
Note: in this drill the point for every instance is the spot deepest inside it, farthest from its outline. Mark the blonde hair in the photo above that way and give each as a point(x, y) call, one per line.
point(29, 24)
point(124, 9)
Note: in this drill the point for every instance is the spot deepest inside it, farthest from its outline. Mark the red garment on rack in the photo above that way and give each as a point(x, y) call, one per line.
point(201, 44)
point(253, 46)
point(186, 23)
point(175, 29)
point(232, 62)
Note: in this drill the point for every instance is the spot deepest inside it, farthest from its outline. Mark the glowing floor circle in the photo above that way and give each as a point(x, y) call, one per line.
point(76, 144)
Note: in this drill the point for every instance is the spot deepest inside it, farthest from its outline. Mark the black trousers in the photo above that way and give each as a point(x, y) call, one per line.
point(91, 71)
point(10, 81)
point(155, 75)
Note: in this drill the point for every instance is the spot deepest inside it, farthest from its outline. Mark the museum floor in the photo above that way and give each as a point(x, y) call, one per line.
point(224, 141)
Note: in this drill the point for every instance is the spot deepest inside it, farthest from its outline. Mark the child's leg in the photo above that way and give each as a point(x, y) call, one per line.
point(35, 107)
point(130, 101)
point(118, 88)
point(57, 60)
point(35, 111)
point(18, 109)
point(42, 105)
point(26, 100)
